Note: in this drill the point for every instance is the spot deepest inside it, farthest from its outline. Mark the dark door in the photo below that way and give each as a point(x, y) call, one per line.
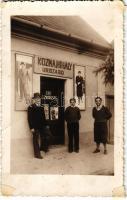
point(110, 105)
point(52, 91)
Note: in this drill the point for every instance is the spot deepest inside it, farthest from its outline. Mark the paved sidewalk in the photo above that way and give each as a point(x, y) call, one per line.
point(59, 161)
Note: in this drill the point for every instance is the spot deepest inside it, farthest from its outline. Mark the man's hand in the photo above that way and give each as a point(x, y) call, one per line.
point(32, 130)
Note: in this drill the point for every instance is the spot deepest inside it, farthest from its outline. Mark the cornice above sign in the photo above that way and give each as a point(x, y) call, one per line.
point(52, 67)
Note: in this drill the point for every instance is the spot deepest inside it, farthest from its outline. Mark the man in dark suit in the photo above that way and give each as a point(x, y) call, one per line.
point(36, 121)
point(72, 116)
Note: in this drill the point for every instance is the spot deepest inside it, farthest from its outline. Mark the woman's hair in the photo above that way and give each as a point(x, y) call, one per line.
point(73, 99)
point(22, 63)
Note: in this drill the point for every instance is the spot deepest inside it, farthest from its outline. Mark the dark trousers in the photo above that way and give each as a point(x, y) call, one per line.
point(38, 141)
point(73, 136)
point(44, 143)
point(36, 137)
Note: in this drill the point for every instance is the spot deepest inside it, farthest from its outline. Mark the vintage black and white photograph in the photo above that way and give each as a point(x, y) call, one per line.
point(64, 125)
point(82, 127)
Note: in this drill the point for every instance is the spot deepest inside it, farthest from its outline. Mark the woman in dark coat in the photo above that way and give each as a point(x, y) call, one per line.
point(101, 114)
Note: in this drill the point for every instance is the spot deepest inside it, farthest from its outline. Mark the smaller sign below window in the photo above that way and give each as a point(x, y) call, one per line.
point(53, 113)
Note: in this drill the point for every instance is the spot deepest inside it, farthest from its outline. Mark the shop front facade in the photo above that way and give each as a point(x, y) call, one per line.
point(51, 71)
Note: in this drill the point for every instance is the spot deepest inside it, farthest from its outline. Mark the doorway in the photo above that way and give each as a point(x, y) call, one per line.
point(52, 92)
point(110, 105)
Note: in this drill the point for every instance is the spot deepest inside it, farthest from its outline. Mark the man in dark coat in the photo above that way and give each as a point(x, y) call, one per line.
point(79, 83)
point(101, 114)
point(36, 121)
point(72, 116)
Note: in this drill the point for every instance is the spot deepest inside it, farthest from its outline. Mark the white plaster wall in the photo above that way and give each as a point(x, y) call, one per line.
point(101, 87)
point(19, 122)
point(39, 49)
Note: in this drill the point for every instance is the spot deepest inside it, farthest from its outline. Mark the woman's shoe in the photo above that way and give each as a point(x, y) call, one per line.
point(39, 157)
point(105, 152)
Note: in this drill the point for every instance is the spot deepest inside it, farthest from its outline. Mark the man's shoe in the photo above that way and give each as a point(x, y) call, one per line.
point(46, 150)
point(70, 151)
point(39, 157)
point(96, 151)
point(42, 149)
point(77, 151)
point(105, 152)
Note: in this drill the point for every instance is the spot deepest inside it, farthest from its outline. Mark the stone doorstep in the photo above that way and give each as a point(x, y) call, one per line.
point(57, 148)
